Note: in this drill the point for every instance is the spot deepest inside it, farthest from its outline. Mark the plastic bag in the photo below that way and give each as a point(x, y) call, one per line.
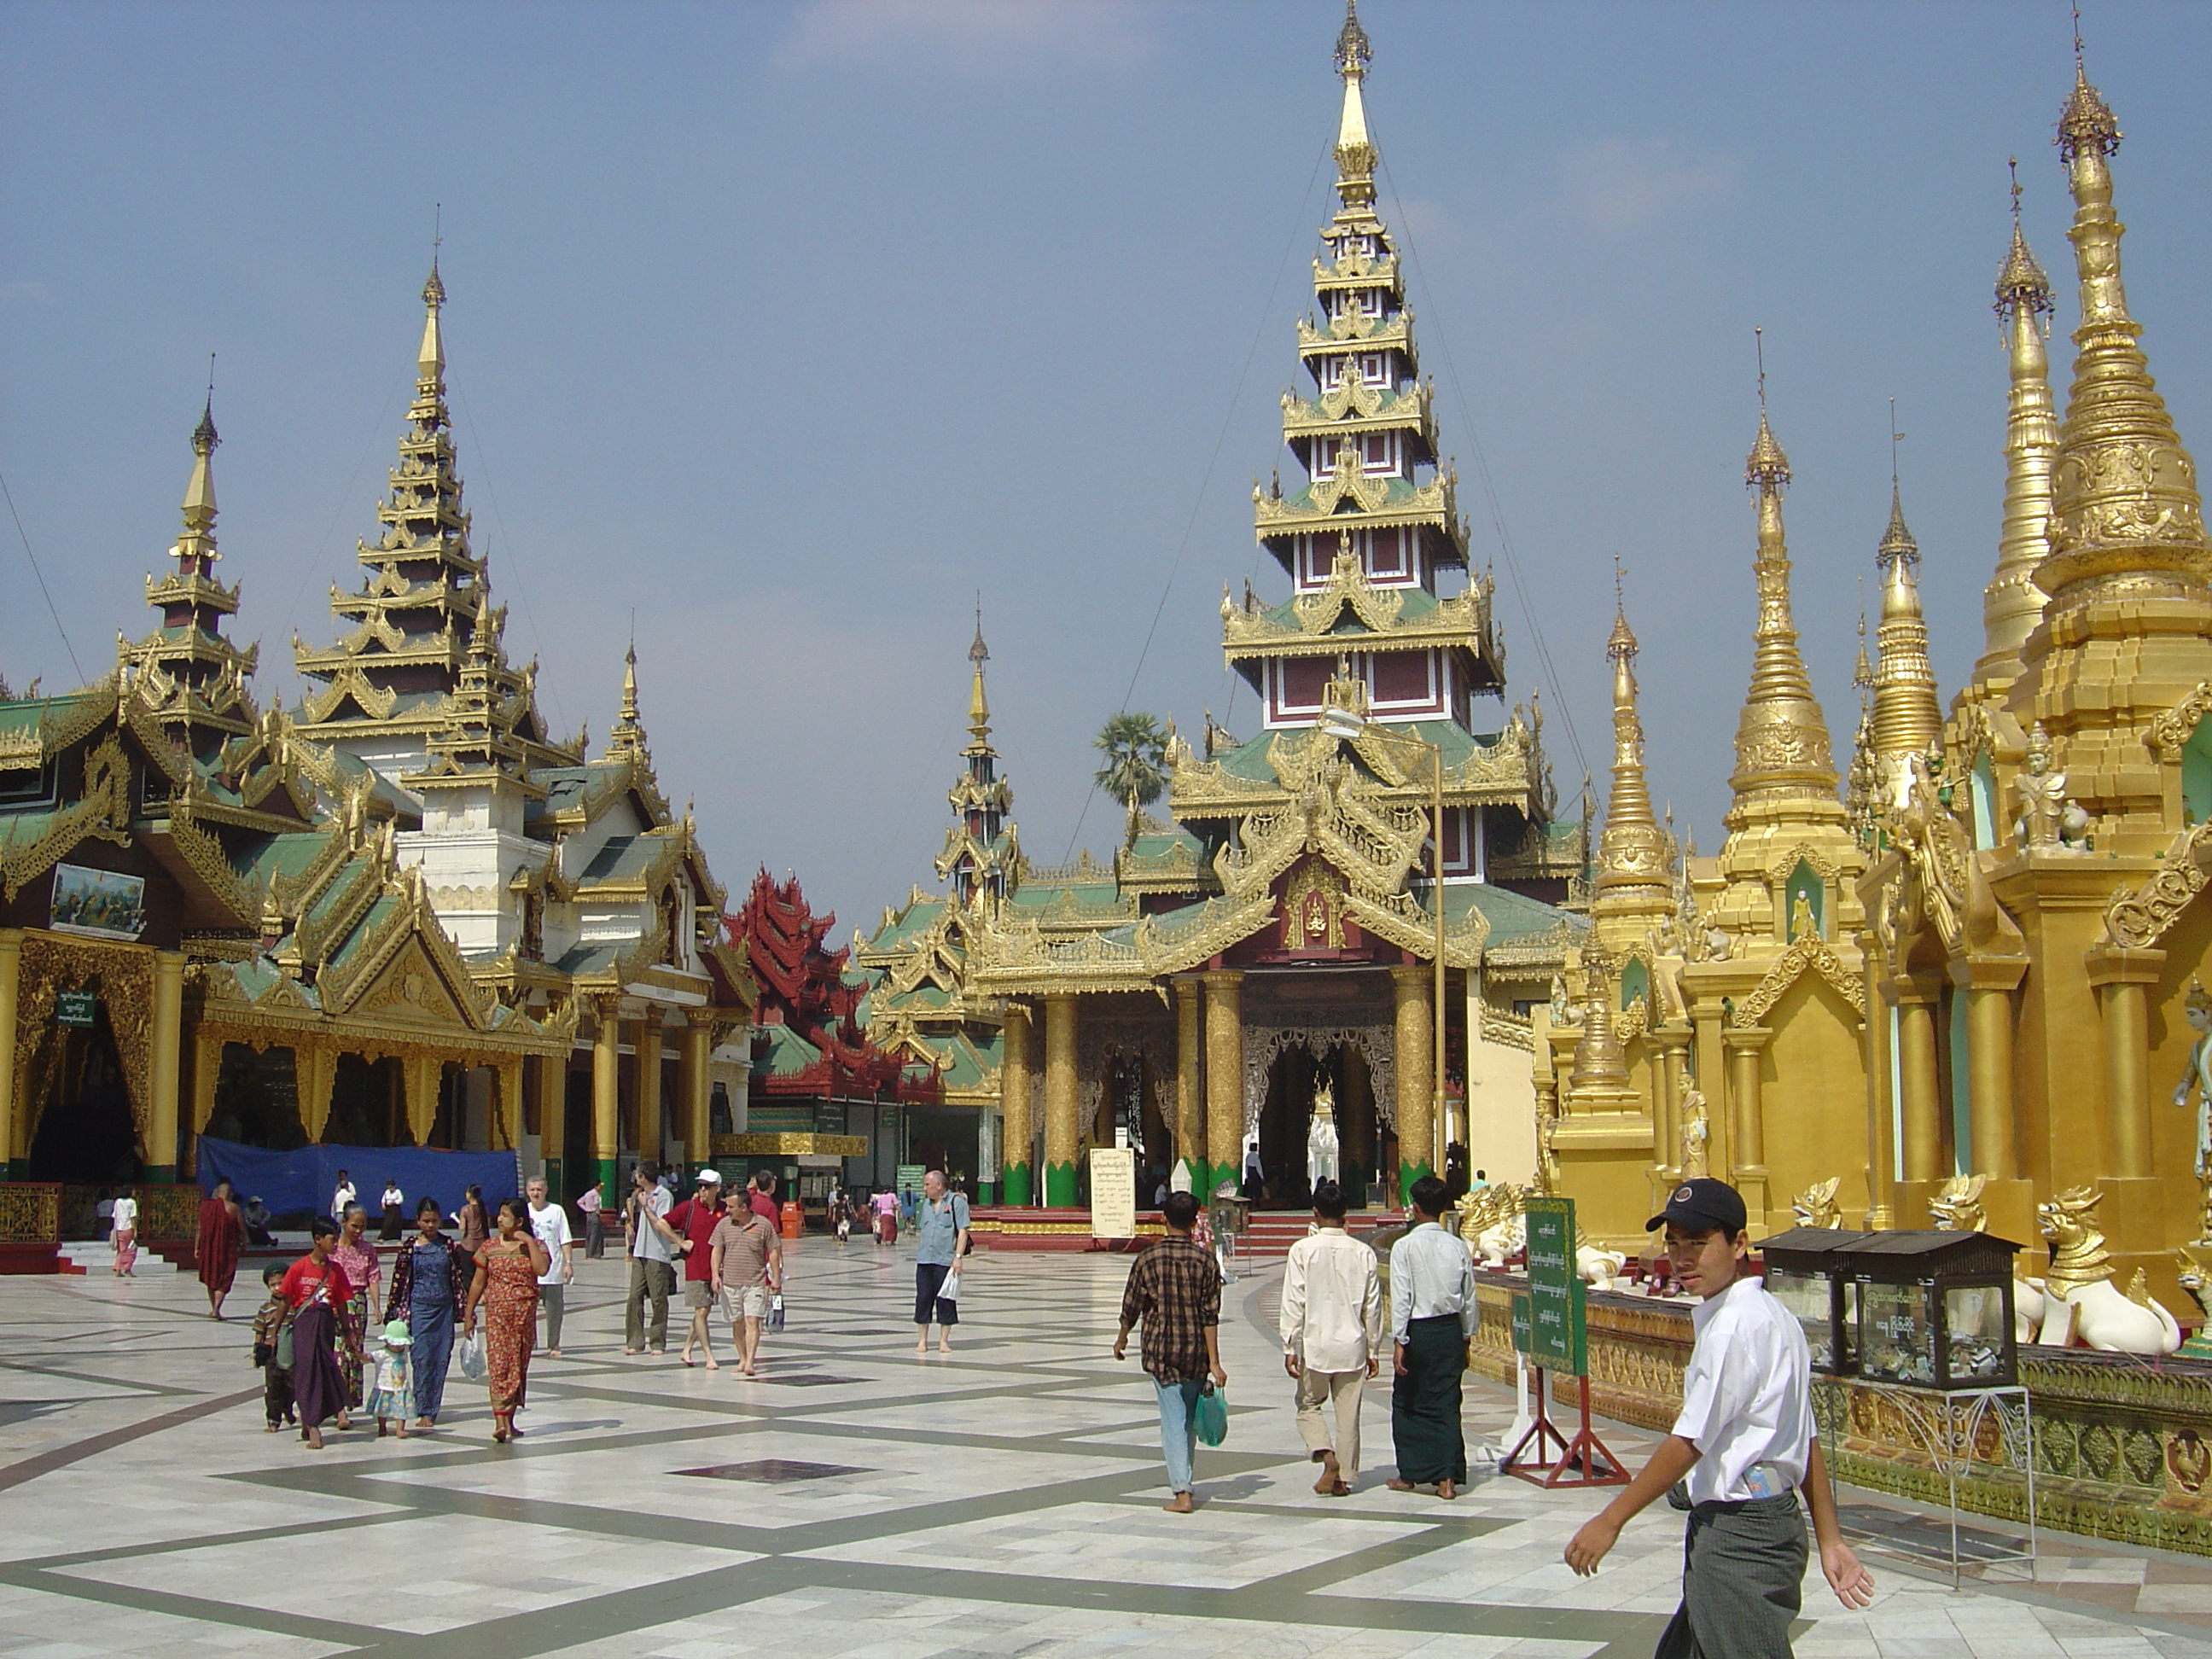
point(469, 1355)
point(776, 1312)
point(1210, 1417)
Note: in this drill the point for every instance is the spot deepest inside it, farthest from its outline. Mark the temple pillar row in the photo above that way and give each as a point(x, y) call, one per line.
point(552, 1081)
point(1920, 1095)
point(1017, 1133)
point(698, 1087)
point(1417, 1127)
point(1062, 1097)
point(606, 1096)
point(645, 1042)
point(1190, 1106)
point(1746, 1046)
point(11, 972)
point(168, 1064)
point(1224, 1075)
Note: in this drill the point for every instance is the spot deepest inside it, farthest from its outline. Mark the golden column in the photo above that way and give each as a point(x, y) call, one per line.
point(698, 1086)
point(606, 1095)
point(1416, 1124)
point(1674, 1044)
point(1920, 1092)
point(1988, 983)
point(11, 970)
point(1190, 1107)
point(645, 1043)
point(552, 1088)
point(1061, 1095)
point(1745, 1045)
point(2119, 975)
point(1225, 1076)
point(1882, 1144)
point(1017, 1133)
point(168, 1062)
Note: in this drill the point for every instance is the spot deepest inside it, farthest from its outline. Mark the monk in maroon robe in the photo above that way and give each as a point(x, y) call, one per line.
point(222, 1230)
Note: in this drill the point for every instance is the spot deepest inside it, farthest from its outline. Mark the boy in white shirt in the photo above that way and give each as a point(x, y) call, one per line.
point(1744, 1446)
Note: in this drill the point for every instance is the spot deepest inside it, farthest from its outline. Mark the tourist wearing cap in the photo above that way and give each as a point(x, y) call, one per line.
point(693, 1222)
point(1742, 1448)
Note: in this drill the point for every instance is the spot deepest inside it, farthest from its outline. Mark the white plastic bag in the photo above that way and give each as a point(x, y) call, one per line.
point(469, 1355)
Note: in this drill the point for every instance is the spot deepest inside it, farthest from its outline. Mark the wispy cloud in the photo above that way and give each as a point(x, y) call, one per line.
point(994, 35)
point(1616, 186)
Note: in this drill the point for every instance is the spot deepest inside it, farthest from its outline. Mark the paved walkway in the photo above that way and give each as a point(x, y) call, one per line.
point(853, 1502)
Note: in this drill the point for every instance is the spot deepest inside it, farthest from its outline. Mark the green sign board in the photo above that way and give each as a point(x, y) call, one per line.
point(75, 1008)
point(1520, 1324)
point(908, 1177)
point(1557, 1332)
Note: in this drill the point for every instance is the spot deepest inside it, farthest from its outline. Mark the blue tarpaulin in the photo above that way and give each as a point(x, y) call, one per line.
point(303, 1181)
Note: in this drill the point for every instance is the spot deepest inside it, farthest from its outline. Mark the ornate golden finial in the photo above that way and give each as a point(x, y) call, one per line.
point(2011, 604)
point(1907, 717)
point(1782, 737)
point(200, 494)
point(1632, 851)
point(1862, 671)
point(1355, 151)
point(979, 707)
point(2126, 518)
point(1601, 1065)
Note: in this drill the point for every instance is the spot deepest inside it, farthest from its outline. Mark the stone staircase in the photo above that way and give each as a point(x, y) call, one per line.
point(98, 1256)
point(1273, 1232)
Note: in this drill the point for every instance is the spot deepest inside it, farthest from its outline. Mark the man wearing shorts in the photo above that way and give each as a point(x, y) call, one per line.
point(693, 1222)
point(747, 1268)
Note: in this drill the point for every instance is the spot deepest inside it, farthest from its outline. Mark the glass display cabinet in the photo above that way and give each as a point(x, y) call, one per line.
point(1934, 1309)
point(1809, 1270)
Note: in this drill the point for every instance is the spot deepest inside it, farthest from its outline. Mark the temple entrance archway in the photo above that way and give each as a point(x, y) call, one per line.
point(85, 1133)
point(1284, 1068)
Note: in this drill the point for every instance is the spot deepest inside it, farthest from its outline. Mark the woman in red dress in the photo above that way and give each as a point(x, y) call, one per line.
point(222, 1230)
point(316, 1288)
point(509, 1268)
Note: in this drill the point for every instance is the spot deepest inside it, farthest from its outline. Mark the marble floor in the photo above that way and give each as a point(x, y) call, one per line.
point(852, 1501)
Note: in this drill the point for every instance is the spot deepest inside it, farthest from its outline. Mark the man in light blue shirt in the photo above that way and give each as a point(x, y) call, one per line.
point(940, 1220)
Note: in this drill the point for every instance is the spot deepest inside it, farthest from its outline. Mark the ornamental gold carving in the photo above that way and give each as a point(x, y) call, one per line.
point(1808, 951)
point(2135, 919)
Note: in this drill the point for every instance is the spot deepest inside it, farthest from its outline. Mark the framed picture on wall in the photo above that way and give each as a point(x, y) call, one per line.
point(99, 902)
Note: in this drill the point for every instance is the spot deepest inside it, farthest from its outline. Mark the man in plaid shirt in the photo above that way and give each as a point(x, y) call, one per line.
point(1175, 1289)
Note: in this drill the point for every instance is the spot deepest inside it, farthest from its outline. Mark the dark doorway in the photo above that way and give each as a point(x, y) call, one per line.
point(86, 1133)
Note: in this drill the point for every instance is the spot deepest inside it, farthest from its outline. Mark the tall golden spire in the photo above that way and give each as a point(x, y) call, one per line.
point(979, 706)
point(1356, 154)
point(627, 739)
point(430, 361)
point(1782, 737)
point(1907, 718)
point(1632, 851)
point(2126, 519)
point(2011, 604)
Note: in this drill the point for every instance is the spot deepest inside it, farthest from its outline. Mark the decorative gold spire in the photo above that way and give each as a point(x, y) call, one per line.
point(1907, 718)
point(2126, 518)
point(626, 741)
point(431, 360)
point(1601, 1065)
point(1355, 151)
point(1632, 851)
point(2012, 605)
point(186, 673)
point(1782, 737)
point(979, 706)
point(200, 494)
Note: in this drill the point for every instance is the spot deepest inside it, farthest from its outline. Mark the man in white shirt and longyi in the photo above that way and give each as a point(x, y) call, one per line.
point(1332, 1328)
point(1742, 1448)
point(1432, 1313)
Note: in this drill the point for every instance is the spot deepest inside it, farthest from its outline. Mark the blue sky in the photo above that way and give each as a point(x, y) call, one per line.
point(787, 326)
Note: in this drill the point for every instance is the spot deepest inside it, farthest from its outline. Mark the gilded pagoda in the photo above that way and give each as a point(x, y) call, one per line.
point(1277, 938)
point(402, 913)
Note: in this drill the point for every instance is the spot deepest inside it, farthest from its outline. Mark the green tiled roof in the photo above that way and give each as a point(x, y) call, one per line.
point(788, 1053)
point(1250, 760)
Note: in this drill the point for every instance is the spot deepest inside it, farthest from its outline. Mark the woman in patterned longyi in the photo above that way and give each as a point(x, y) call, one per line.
point(509, 1268)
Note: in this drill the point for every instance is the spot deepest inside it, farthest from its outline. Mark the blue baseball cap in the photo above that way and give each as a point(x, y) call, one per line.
point(1701, 1206)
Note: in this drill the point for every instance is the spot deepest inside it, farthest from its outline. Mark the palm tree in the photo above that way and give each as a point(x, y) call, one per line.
point(1136, 755)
